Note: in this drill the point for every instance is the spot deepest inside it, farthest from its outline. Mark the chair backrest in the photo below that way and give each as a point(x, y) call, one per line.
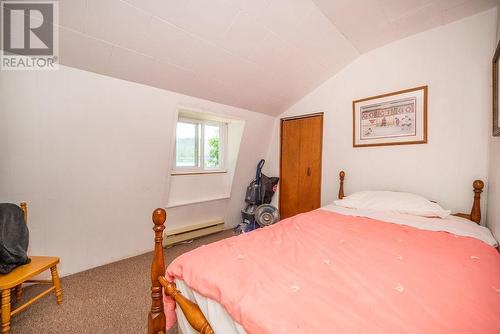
point(24, 207)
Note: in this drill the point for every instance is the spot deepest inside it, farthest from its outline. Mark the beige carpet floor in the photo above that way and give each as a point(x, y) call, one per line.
point(110, 299)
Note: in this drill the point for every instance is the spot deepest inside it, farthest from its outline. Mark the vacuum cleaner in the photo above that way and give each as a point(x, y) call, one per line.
point(258, 211)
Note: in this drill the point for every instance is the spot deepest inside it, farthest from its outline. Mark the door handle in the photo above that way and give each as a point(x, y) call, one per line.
point(308, 171)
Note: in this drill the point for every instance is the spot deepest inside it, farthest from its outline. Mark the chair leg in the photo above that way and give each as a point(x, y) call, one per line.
point(57, 284)
point(6, 311)
point(19, 292)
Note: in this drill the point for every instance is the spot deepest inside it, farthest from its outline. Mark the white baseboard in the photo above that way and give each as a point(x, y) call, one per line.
point(192, 232)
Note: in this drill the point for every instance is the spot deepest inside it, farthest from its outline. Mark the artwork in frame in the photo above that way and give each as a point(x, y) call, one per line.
point(391, 119)
point(496, 91)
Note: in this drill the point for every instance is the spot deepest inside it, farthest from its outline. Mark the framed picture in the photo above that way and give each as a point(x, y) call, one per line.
point(496, 73)
point(398, 118)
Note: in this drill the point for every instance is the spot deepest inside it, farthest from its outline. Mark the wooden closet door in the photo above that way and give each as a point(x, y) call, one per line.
point(301, 148)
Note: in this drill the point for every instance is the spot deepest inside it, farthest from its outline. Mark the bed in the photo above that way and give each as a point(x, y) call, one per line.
point(356, 271)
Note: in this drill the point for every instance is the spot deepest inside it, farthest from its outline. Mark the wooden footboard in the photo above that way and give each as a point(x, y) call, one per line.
point(156, 318)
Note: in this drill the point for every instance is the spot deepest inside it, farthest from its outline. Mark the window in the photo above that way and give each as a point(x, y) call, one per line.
point(200, 145)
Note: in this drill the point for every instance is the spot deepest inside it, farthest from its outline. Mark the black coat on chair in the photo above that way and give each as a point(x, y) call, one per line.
point(14, 238)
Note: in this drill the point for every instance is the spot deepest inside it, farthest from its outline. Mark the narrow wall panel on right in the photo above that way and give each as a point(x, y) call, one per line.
point(493, 214)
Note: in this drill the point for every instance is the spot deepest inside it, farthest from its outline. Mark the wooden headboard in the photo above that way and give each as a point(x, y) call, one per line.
point(475, 214)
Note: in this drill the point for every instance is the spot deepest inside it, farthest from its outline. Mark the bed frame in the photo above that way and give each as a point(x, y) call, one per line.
point(193, 314)
point(474, 215)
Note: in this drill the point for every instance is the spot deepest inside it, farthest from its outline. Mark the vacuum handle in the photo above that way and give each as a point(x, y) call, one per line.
point(259, 170)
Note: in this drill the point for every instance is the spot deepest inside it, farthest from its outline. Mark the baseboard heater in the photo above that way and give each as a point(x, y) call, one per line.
point(192, 232)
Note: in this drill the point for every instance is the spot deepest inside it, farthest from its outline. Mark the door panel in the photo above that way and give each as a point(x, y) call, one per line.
point(290, 172)
point(301, 148)
point(310, 163)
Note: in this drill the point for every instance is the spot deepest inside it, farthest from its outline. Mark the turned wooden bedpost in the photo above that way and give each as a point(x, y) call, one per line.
point(156, 318)
point(341, 188)
point(475, 214)
point(192, 311)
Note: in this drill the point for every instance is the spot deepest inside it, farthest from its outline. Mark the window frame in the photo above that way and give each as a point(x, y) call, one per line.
point(200, 147)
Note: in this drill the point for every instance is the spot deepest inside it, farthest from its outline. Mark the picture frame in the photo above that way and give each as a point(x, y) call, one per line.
point(496, 73)
point(398, 118)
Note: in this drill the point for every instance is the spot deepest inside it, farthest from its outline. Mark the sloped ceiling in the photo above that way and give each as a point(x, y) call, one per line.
point(369, 24)
point(262, 55)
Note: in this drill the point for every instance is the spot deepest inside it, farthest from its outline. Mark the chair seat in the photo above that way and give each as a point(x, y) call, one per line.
point(22, 273)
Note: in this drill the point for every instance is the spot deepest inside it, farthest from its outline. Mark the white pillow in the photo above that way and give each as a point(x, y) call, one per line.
point(393, 201)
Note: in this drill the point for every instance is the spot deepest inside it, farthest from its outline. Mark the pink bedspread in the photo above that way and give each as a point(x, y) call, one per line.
point(322, 272)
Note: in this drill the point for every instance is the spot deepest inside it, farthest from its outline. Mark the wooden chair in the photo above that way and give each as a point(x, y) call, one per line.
point(24, 274)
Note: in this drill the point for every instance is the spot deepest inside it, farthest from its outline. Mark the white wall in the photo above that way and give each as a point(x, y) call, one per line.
point(91, 155)
point(493, 216)
point(455, 62)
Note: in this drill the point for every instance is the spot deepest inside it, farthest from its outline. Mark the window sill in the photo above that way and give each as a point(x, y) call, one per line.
point(196, 172)
point(199, 201)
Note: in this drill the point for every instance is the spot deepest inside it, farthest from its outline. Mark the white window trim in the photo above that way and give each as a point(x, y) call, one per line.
point(223, 126)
